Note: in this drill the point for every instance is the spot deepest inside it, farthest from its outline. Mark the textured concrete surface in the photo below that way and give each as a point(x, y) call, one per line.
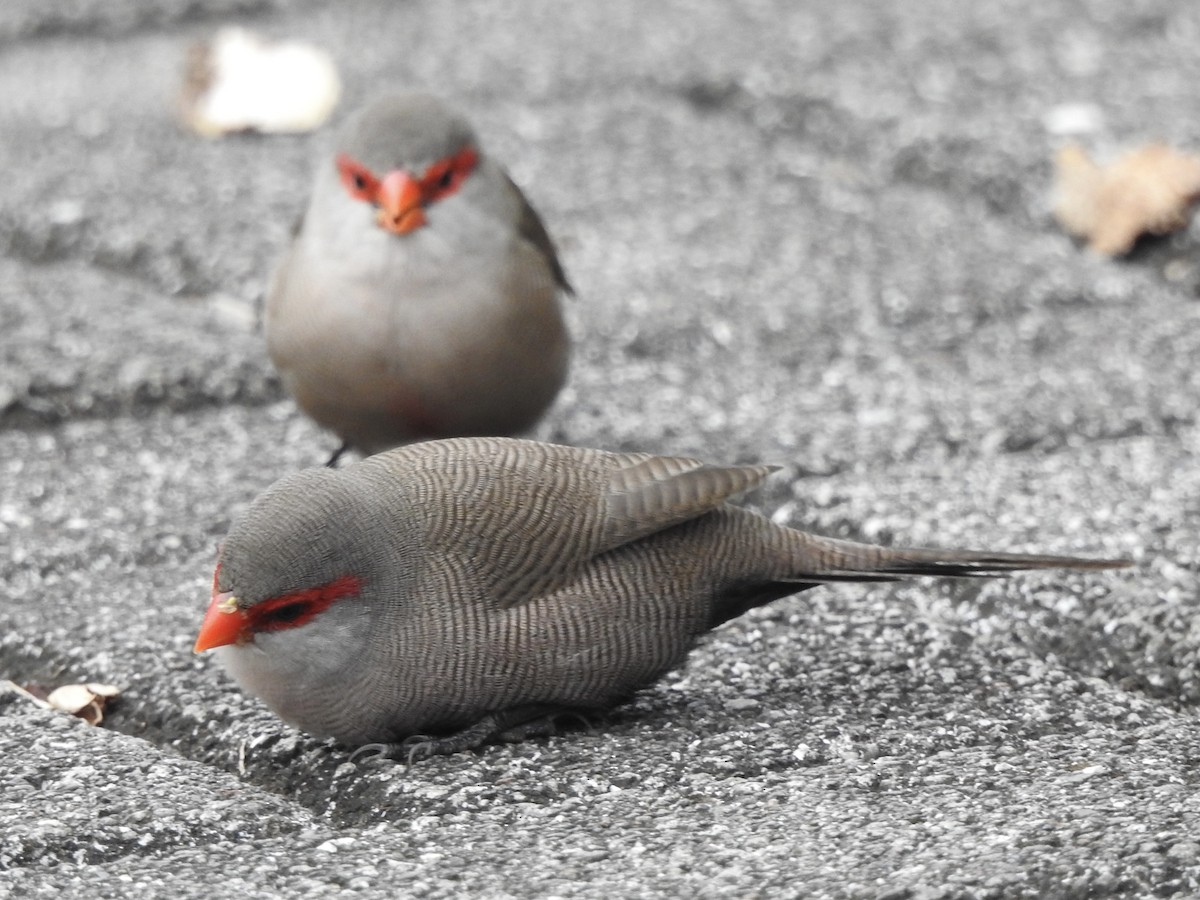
point(806, 233)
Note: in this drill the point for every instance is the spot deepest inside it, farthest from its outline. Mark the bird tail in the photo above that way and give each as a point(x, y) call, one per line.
point(806, 561)
point(820, 560)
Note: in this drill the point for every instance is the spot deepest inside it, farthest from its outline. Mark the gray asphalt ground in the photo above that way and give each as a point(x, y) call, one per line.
point(808, 233)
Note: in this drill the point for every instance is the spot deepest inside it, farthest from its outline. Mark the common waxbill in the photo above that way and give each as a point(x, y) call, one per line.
point(472, 588)
point(420, 295)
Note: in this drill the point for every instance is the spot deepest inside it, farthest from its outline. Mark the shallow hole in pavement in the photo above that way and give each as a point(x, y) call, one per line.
point(316, 774)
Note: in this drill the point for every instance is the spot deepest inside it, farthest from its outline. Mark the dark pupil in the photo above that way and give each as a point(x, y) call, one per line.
point(359, 182)
point(289, 613)
point(448, 178)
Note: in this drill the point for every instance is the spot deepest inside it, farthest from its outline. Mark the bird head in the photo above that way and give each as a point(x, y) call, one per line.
point(402, 155)
point(288, 572)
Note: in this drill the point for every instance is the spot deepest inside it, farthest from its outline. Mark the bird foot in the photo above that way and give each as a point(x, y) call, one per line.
point(546, 726)
point(509, 725)
point(411, 749)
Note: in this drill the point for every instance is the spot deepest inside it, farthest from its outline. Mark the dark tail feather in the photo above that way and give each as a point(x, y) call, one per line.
point(817, 559)
point(904, 563)
point(814, 561)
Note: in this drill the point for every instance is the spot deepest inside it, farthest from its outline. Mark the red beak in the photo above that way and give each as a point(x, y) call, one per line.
point(223, 624)
point(400, 209)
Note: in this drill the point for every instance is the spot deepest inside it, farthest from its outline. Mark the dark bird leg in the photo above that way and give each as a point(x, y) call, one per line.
point(331, 463)
point(510, 725)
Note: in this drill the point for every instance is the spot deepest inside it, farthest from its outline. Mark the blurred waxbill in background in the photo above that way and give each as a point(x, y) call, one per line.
point(420, 295)
point(469, 589)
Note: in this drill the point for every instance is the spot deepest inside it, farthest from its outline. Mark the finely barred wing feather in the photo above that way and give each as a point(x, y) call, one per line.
point(649, 493)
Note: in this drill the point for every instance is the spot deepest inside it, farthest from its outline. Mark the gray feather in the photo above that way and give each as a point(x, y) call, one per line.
point(500, 576)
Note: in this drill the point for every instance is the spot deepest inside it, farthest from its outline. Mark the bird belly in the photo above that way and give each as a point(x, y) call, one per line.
point(432, 356)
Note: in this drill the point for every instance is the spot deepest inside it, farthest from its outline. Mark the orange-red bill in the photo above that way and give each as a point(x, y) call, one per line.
point(400, 198)
point(223, 624)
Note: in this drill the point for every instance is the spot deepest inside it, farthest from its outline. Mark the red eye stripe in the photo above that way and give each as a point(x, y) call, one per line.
point(446, 176)
point(359, 181)
point(299, 607)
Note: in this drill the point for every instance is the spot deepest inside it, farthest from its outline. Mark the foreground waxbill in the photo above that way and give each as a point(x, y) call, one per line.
point(420, 295)
point(474, 588)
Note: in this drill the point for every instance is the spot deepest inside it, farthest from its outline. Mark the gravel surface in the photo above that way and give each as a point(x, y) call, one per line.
point(813, 234)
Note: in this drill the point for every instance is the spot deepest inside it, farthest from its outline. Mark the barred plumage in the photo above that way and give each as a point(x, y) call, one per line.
point(505, 580)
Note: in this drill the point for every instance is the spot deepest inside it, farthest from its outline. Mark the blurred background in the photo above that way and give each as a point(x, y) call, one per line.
point(814, 234)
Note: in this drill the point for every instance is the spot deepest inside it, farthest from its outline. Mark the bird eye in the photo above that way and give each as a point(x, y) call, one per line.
point(357, 179)
point(300, 607)
point(286, 614)
point(447, 175)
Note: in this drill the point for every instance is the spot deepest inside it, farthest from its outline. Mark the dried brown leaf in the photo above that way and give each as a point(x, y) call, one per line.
point(1150, 190)
point(87, 701)
point(84, 700)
